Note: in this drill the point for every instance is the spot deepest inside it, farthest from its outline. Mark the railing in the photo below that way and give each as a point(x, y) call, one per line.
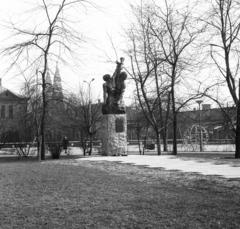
point(131, 142)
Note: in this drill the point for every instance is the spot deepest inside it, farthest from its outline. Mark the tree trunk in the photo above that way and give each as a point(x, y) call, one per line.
point(160, 109)
point(139, 143)
point(144, 144)
point(39, 148)
point(158, 143)
point(90, 144)
point(43, 114)
point(42, 142)
point(237, 139)
point(38, 142)
point(174, 117)
point(42, 131)
point(139, 147)
point(84, 147)
point(174, 134)
point(164, 138)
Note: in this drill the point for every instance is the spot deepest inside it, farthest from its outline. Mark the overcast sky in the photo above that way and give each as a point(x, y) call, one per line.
point(97, 25)
point(98, 54)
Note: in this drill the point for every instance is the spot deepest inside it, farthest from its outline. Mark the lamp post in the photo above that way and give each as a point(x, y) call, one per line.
point(200, 127)
point(90, 110)
point(89, 98)
point(89, 84)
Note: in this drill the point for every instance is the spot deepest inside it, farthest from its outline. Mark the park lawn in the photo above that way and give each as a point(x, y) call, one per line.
point(70, 193)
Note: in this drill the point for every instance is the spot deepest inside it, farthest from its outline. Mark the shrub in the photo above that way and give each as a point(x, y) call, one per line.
point(55, 150)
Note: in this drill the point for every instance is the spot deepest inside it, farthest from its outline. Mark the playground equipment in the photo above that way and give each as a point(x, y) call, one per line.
point(191, 138)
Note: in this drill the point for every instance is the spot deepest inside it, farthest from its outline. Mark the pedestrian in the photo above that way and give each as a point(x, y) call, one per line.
point(65, 144)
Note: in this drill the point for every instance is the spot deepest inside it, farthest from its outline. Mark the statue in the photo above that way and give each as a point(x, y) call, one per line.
point(113, 90)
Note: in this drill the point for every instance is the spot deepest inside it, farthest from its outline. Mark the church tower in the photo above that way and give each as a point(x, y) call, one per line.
point(48, 86)
point(57, 86)
point(56, 108)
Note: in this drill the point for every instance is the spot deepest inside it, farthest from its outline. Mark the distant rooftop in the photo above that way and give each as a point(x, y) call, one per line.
point(3, 89)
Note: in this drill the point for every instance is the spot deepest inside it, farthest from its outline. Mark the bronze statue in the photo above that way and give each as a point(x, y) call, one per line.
point(113, 90)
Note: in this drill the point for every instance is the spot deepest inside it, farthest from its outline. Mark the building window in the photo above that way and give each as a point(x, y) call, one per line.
point(3, 111)
point(10, 111)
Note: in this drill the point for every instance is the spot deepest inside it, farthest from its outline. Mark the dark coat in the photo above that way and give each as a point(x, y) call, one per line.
point(65, 143)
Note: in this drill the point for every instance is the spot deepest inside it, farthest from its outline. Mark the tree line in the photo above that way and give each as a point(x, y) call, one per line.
point(172, 47)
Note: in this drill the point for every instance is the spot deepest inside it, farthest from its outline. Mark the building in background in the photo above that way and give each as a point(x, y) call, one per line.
point(218, 122)
point(13, 108)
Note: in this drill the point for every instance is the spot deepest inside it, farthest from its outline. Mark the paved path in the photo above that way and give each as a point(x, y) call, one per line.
point(174, 163)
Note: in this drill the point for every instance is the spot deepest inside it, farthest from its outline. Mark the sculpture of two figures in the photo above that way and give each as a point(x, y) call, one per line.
point(113, 90)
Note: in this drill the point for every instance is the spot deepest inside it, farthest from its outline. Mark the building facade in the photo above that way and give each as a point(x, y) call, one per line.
point(13, 107)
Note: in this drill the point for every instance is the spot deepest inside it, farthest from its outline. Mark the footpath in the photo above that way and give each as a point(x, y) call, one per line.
point(170, 162)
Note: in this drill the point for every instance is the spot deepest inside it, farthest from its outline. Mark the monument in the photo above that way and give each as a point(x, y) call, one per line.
point(114, 118)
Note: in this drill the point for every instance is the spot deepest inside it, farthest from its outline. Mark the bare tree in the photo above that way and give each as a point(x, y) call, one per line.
point(84, 113)
point(39, 45)
point(30, 90)
point(177, 33)
point(163, 54)
point(144, 70)
point(224, 24)
point(138, 124)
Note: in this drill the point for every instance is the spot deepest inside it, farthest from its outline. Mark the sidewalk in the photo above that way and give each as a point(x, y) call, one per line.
point(168, 162)
point(173, 163)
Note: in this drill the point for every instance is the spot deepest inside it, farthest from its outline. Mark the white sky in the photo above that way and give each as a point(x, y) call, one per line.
point(98, 25)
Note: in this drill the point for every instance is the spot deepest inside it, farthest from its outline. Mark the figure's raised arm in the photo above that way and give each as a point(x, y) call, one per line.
point(115, 77)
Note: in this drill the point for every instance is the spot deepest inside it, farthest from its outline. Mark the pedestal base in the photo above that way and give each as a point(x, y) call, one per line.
point(114, 135)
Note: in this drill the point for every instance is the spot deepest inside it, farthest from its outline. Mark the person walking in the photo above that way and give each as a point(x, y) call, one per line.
point(65, 144)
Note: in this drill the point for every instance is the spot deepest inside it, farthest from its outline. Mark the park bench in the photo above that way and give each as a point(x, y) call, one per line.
point(150, 146)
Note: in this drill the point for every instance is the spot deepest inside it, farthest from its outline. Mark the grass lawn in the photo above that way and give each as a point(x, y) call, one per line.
point(67, 193)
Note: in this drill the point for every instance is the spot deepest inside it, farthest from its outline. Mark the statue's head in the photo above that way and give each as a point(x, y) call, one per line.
point(106, 77)
point(123, 76)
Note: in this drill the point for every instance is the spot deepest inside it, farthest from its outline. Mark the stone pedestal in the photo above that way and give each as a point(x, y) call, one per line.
point(114, 135)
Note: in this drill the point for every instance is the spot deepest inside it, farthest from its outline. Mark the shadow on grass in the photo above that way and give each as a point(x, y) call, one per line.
point(15, 159)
